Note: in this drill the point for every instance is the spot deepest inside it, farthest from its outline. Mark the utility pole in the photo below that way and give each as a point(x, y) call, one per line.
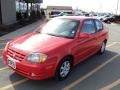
point(117, 7)
point(100, 7)
point(0, 13)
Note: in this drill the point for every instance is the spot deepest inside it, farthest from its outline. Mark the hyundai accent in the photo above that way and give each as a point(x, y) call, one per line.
point(56, 47)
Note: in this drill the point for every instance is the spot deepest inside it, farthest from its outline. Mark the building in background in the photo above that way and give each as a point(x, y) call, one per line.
point(7, 12)
point(9, 9)
point(50, 10)
point(0, 14)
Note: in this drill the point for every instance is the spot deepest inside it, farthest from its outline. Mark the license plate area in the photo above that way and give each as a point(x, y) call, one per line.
point(11, 63)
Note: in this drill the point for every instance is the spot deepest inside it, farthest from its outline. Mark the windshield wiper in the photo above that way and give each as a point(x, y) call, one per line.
point(37, 31)
point(60, 36)
point(53, 35)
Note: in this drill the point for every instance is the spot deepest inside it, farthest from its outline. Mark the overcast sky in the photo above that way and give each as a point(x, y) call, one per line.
point(87, 5)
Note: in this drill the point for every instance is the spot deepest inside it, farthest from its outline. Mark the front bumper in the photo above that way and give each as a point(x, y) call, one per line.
point(32, 71)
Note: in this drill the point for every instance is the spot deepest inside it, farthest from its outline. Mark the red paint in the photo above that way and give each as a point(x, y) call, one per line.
point(81, 47)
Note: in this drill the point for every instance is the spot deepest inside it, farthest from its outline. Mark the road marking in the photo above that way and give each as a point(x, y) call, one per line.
point(68, 87)
point(3, 43)
point(110, 86)
point(0, 57)
point(1, 49)
point(118, 42)
point(113, 43)
point(14, 84)
point(90, 73)
point(3, 68)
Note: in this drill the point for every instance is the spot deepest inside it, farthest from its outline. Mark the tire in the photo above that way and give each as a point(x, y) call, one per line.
point(64, 69)
point(103, 48)
point(108, 22)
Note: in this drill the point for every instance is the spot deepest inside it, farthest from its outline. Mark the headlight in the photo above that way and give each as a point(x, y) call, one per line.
point(37, 57)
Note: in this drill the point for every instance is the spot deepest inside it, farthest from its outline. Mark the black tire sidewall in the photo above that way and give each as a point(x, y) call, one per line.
point(57, 75)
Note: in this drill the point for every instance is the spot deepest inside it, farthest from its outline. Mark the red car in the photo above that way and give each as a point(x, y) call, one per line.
point(53, 50)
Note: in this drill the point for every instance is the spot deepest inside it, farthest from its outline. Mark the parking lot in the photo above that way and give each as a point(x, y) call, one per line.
point(99, 72)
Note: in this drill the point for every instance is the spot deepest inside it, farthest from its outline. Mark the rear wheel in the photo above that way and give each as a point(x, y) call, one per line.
point(103, 48)
point(64, 68)
point(108, 22)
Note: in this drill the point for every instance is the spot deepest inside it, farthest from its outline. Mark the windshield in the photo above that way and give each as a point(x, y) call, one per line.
point(61, 27)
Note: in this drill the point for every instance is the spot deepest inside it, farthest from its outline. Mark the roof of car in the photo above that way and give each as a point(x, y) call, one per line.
point(76, 17)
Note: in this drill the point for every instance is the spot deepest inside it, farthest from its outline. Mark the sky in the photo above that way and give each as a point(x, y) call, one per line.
point(87, 5)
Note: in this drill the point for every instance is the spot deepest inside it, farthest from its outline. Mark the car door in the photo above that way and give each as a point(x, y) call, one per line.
point(100, 33)
point(86, 46)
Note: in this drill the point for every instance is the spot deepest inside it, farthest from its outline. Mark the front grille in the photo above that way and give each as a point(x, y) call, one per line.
point(15, 55)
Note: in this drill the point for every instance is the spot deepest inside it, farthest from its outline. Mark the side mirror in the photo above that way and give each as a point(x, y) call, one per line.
point(84, 35)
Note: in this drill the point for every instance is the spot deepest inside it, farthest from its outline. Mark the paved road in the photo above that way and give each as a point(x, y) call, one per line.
point(98, 72)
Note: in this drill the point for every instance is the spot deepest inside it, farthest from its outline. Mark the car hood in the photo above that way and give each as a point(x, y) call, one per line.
point(36, 42)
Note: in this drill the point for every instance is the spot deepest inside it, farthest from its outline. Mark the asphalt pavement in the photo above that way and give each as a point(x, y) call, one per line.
point(99, 72)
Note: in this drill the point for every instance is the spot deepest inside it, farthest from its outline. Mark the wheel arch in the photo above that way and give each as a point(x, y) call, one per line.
point(60, 62)
point(105, 41)
point(66, 56)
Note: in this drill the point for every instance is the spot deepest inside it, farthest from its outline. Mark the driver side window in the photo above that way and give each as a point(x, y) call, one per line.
point(88, 27)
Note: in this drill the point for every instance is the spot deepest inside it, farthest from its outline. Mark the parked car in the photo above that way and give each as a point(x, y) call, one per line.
point(116, 18)
point(65, 14)
point(108, 19)
point(54, 14)
point(62, 14)
point(59, 45)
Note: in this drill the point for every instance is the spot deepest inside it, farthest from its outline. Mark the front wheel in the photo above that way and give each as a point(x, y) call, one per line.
point(64, 69)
